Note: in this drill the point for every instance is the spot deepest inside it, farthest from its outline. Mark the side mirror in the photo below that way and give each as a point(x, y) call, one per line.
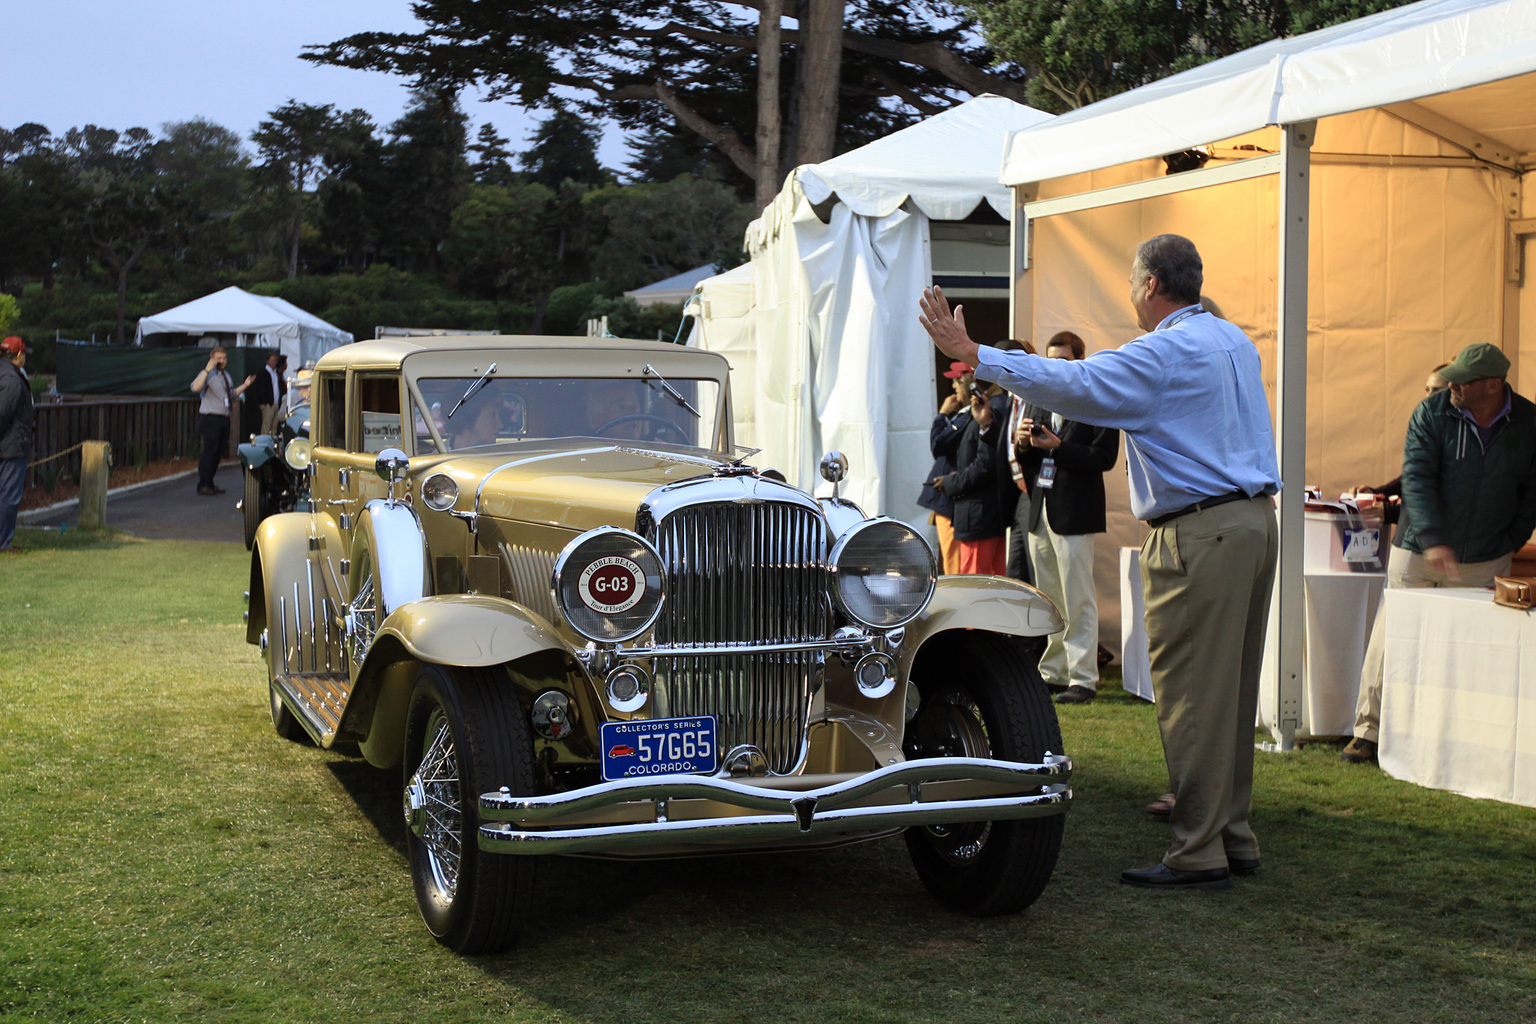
point(834, 466)
point(391, 465)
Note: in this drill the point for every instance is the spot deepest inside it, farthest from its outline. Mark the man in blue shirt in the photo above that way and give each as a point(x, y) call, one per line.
point(1200, 456)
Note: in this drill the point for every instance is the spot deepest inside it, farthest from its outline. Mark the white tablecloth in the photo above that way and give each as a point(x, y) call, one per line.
point(1136, 673)
point(1340, 609)
point(1458, 704)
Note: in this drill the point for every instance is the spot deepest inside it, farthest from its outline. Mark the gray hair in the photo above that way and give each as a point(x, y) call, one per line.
point(1173, 260)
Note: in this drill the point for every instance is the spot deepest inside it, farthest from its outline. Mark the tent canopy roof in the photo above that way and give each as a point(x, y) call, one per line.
point(1429, 49)
point(234, 310)
point(945, 164)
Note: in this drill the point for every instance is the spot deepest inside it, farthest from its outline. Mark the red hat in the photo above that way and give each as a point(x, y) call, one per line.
point(13, 346)
point(957, 369)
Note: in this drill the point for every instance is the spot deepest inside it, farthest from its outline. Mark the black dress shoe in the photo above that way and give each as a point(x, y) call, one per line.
point(1075, 695)
point(217, 489)
point(207, 491)
point(1243, 866)
point(1161, 876)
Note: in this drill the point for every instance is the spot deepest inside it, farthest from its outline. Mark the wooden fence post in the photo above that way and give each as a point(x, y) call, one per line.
point(95, 461)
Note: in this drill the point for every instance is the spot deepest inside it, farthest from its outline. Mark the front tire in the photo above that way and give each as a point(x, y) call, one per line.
point(465, 734)
point(982, 698)
point(251, 507)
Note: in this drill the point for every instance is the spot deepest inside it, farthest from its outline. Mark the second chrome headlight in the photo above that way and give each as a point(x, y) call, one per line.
point(883, 573)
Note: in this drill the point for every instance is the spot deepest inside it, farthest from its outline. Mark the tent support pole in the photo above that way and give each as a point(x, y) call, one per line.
point(1289, 608)
point(1021, 295)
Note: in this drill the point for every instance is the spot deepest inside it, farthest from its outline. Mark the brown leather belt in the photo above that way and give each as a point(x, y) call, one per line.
point(1203, 503)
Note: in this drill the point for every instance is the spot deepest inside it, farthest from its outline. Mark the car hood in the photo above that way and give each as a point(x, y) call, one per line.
point(575, 488)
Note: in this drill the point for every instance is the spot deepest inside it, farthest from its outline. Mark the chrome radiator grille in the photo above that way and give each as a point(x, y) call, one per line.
point(743, 573)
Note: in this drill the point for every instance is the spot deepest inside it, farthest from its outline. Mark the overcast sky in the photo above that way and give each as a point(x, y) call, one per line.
point(121, 63)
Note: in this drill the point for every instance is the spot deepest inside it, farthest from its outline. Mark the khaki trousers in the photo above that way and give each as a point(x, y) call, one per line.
point(1408, 569)
point(1206, 580)
point(947, 549)
point(1064, 573)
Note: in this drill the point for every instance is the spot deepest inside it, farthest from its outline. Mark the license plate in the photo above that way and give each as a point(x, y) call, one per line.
point(659, 746)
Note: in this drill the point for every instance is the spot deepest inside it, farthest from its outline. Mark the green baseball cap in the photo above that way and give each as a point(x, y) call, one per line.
point(1479, 359)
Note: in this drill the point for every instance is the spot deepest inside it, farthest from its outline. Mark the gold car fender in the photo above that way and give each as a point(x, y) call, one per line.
point(450, 629)
point(468, 630)
point(279, 560)
point(993, 603)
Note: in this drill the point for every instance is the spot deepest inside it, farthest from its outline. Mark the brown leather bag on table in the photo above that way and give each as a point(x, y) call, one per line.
point(1514, 591)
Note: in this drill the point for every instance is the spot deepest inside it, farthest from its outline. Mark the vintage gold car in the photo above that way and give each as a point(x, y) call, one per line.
point(540, 580)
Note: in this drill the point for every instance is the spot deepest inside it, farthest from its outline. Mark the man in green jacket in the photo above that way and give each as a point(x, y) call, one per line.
point(1469, 499)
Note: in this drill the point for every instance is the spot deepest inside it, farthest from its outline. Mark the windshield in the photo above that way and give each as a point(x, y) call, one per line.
point(507, 409)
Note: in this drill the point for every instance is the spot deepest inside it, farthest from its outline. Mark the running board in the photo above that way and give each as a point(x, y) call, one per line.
point(317, 700)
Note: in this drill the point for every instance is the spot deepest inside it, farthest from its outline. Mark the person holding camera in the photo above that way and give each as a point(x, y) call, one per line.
point(1200, 457)
point(217, 395)
point(943, 443)
point(1064, 462)
point(979, 489)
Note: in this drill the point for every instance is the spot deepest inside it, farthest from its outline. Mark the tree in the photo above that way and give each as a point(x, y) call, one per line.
point(204, 165)
point(354, 193)
point(294, 141)
point(493, 163)
point(700, 65)
point(126, 216)
point(1080, 51)
point(652, 231)
point(519, 242)
point(428, 175)
point(564, 148)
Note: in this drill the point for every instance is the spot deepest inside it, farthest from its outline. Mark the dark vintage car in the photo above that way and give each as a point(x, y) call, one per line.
point(538, 580)
point(275, 467)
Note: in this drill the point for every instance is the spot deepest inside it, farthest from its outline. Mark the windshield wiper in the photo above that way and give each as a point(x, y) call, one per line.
point(679, 399)
point(476, 386)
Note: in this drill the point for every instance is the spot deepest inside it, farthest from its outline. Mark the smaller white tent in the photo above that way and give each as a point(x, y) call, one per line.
point(258, 321)
point(838, 261)
point(675, 289)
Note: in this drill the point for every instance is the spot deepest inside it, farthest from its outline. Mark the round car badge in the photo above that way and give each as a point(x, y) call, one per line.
point(611, 585)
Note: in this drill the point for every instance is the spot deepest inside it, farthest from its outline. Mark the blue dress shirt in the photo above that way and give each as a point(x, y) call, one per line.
point(1189, 396)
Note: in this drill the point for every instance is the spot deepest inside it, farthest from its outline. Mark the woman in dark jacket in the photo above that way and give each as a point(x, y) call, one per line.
point(980, 516)
point(943, 443)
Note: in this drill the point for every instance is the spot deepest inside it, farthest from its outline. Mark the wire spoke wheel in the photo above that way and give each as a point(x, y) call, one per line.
point(466, 734)
point(363, 609)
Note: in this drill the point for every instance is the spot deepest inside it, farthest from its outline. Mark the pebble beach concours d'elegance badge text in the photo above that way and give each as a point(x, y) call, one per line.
point(611, 585)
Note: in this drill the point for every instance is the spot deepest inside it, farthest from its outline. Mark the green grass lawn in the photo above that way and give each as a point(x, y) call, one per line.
point(165, 857)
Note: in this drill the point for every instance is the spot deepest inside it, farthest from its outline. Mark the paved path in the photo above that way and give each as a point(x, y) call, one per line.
point(169, 509)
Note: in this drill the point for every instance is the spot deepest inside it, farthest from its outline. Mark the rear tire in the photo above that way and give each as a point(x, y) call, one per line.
point(465, 734)
point(981, 698)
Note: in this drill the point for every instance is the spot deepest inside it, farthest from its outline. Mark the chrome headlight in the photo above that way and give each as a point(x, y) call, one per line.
point(607, 584)
point(296, 454)
point(882, 573)
point(439, 491)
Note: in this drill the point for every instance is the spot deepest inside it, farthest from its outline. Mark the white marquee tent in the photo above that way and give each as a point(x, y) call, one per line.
point(838, 261)
point(255, 320)
point(1362, 215)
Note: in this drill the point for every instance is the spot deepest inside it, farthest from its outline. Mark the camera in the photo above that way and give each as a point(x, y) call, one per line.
point(1037, 430)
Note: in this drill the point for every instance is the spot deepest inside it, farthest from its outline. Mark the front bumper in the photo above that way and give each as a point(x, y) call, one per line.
point(636, 815)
